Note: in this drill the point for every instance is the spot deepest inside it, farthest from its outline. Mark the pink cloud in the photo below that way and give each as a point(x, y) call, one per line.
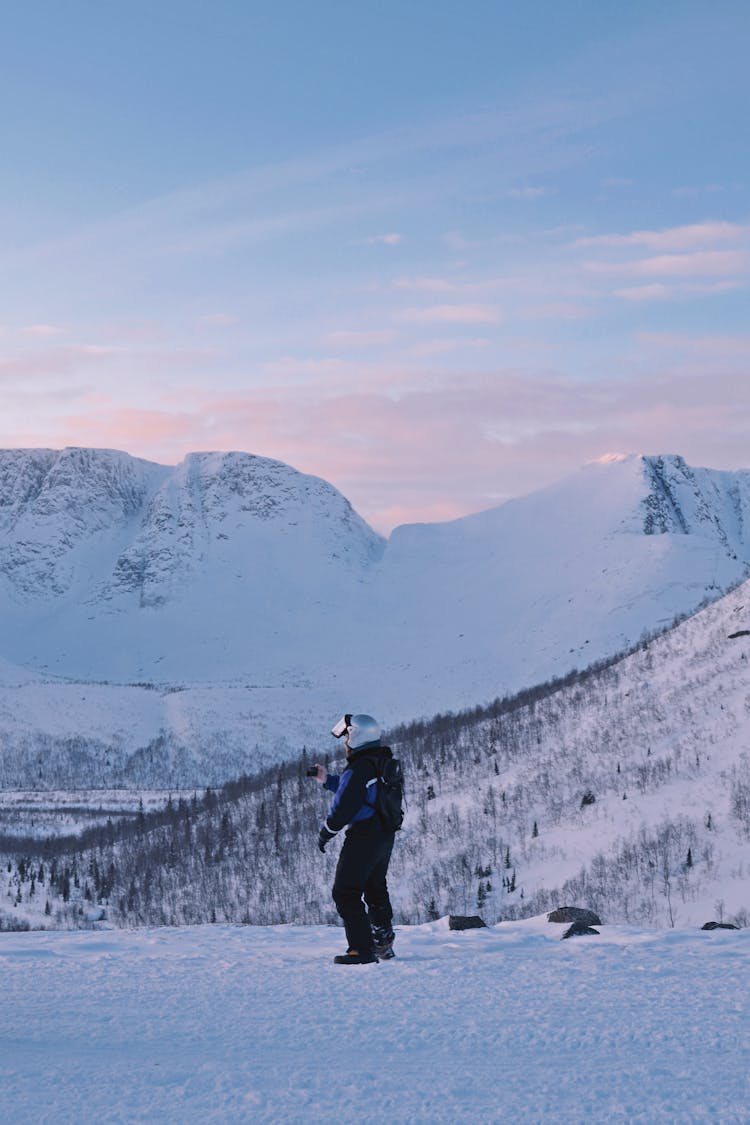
point(42, 330)
point(659, 291)
point(142, 432)
point(435, 512)
point(343, 340)
point(446, 345)
point(404, 440)
point(452, 314)
point(716, 347)
point(674, 238)
point(424, 284)
point(54, 362)
point(416, 446)
point(706, 263)
point(555, 310)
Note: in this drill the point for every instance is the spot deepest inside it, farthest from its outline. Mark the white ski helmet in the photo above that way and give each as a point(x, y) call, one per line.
point(361, 730)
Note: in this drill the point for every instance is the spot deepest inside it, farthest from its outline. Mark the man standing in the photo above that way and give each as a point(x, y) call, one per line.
point(363, 862)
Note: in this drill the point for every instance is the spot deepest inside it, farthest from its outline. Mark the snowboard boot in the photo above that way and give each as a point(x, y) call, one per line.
point(353, 957)
point(383, 938)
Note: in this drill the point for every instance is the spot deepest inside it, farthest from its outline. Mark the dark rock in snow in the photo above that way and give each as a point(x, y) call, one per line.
point(575, 914)
point(579, 929)
point(719, 926)
point(739, 633)
point(465, 922)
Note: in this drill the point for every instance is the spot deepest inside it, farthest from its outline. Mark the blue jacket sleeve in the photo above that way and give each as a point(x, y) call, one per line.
point(332, 782)
point(351, 795)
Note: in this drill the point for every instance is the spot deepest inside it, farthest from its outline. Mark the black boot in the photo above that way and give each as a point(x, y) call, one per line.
point(352, 957)
point(383, 938)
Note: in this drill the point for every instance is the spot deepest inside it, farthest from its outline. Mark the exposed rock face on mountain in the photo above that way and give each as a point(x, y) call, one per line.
point(224, 510)
point(52, 504)
point(270, 604)
point(145, 529)
point(685, 501)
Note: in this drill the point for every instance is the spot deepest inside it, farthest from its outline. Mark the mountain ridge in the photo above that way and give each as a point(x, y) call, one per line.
point(259, 592)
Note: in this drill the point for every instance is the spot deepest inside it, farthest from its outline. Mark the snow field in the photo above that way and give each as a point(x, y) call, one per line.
point(233, 1024)
point(39, 812)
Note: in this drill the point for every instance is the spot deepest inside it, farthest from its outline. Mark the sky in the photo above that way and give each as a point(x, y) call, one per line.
point(439, 254)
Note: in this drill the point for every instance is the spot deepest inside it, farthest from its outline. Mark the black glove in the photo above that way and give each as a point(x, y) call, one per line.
point(324, 836)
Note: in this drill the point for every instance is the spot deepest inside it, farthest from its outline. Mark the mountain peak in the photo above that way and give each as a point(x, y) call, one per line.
point(232, 567)
point(611, 458)
point(94, 523)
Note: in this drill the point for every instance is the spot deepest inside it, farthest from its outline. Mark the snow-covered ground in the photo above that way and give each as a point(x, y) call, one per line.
point(39, 812)
point(245, 1024)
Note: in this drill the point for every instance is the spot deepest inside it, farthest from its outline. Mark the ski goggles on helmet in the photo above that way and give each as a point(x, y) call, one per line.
point(342, 726)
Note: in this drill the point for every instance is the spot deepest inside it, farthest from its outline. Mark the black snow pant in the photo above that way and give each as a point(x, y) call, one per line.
point(361, 871)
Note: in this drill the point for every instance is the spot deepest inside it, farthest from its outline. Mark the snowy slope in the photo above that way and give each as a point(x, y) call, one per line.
point(625, 789)
point(261, 595)
point(229, 1024)
point(659, 740)
point(496, 819)
point(565, 576)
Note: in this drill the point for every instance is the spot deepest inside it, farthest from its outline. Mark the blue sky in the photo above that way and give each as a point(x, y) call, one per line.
point(439, 254)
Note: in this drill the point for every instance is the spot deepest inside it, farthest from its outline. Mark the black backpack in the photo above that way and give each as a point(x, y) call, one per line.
point(389, 799)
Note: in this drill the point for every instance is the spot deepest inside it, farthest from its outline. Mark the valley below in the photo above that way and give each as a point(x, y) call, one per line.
point(573, 726)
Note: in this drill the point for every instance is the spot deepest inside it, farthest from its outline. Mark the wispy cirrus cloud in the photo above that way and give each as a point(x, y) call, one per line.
point(693, 191)
point(364, 177)
point(699, 259)
point(702, 263)
point(689, 237)
point(659, 291)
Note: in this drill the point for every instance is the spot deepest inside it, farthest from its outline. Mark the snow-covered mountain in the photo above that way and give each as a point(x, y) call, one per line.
point(188, 621)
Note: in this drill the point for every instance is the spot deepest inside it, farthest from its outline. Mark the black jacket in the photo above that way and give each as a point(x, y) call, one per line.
point(356, 790)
